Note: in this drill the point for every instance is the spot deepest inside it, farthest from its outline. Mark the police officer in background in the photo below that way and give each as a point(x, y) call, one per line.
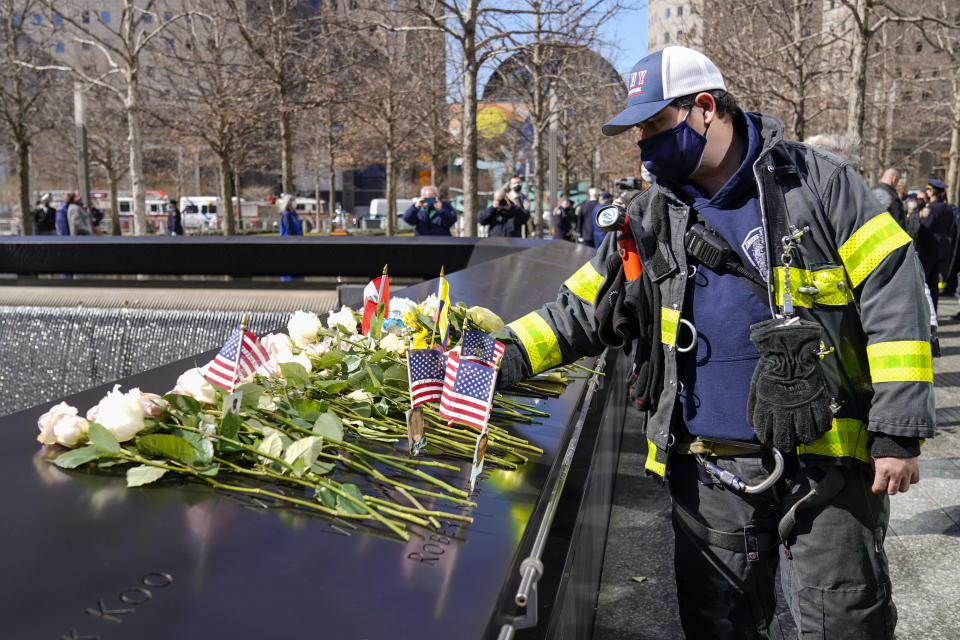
point(935, 237)
point(174, 219)
point(564, 219)
point(775, 458)
point(585, 217)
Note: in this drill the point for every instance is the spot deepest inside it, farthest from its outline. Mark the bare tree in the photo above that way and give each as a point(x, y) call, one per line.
point(24, 90)
point(121, 44)
point(106, 146)
point(944, 35)
point(285, 40)
point(211, 95)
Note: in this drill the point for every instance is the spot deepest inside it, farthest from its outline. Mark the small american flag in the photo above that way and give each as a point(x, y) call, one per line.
point(477, 345)
point(426, 368)
point(467, 391)
point(229, 366)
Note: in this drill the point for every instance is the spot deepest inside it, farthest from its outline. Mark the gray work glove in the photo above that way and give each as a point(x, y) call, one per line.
point(513, 366)
point(789, 401)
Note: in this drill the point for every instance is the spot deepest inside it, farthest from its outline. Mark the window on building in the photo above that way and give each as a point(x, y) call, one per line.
point(57, 20)
point(679, 32)
point(168, 15)
point(679, 11)
point(85, 17)
point(666, 12)
point(17, 19)
point(105, 17)
point(919, 47)
point(169, 42)
point(84, 45)
point(666, 38)
point(60, 48)
point(37, 18)
point(147, 17)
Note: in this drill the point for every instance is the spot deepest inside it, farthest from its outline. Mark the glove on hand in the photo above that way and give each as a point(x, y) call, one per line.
point(789, 402)
point(513, 366)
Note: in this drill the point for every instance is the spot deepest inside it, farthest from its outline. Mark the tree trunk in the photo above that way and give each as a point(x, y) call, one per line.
point(953, 164)
point(471, 67)
point(316, 197)
point(226, 199)
point(390, 169)
point(856, 95)
point(135, 140)
point(23, 183)
point(286, 151)
point(114, 180)
point(331, 167)
point(236, 190)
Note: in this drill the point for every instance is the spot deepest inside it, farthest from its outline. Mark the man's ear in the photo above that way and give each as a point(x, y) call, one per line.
point(706, 102)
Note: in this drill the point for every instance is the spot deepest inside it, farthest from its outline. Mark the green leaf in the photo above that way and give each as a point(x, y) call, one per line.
point(376, 375)
point(294, 372)
point(251, 394)
point(345, 329)
point(211, 470)
point(329, 427)
point(271, 445)
point(396, 376)
point(333, 387)
point(348, 505)
point(184, 404)
point(329, 359)
point(379, 355)
point(230, 425)
point(256, 425)
point(305, 449)
point(359, 379)
point(326, 497)
point(353, 362)
point(163, 445)
point(322, 468)
point(201, 445)
point(639, 578)
point(143, 474)
point(76, 457)
point(103, 439)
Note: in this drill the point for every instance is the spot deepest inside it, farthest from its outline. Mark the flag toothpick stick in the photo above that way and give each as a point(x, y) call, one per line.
point(436, 320)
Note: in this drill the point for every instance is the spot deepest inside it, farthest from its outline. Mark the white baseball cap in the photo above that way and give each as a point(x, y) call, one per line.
point(658, 80)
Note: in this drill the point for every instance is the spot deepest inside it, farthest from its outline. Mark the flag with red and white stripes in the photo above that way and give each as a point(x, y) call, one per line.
point(477, 345)
point(240, 356)
point(426, 375)
point(467, 391)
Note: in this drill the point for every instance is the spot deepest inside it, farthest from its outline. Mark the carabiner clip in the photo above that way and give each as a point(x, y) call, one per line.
point(731, 481)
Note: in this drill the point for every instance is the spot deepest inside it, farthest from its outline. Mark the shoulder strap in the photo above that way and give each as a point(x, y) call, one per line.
point(748, 274)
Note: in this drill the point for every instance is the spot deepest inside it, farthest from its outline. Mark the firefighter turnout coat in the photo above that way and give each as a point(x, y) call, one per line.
point(854, 272)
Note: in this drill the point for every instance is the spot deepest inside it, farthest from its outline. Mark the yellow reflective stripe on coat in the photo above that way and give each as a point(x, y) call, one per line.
point(900, 361)
point(538, 340)
point(669, 324)
point(870, 244)
point(652, 464)
point(585, 283)
point(847, 438)
point(831, 284)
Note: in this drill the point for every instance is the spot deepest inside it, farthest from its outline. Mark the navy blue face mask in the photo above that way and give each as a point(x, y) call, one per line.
point(674, 154)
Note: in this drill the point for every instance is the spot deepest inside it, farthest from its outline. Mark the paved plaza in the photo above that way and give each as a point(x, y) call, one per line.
point(637, 595)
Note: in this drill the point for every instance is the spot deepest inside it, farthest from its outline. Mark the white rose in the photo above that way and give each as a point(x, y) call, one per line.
point(344, 318)
point(61, 425)
point(192, 383)
point(319, 348)
point(429, 306)
point(152, 404)
point(120, 413)
point(303, 327)
point(301, 359)
point(399, 306)
point(393, 343)
point(275, 343)
point(360, 396)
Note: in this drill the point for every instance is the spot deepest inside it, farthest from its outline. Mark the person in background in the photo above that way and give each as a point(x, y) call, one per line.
point(935, 238)
point(564, 220)
point(503, 217)
point(599, 234)
point(60, 218)
point(515, 192)
point(44, 217)
point(78, 218)
point(174, 219)
point(585, 217)
point(430, 216)
point(886, 193)
point(289, 220)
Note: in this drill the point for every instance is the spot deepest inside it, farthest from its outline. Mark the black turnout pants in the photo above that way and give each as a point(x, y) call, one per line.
point(833, 569)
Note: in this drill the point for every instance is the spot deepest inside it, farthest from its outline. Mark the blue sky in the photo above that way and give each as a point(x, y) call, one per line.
point(629, 33)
